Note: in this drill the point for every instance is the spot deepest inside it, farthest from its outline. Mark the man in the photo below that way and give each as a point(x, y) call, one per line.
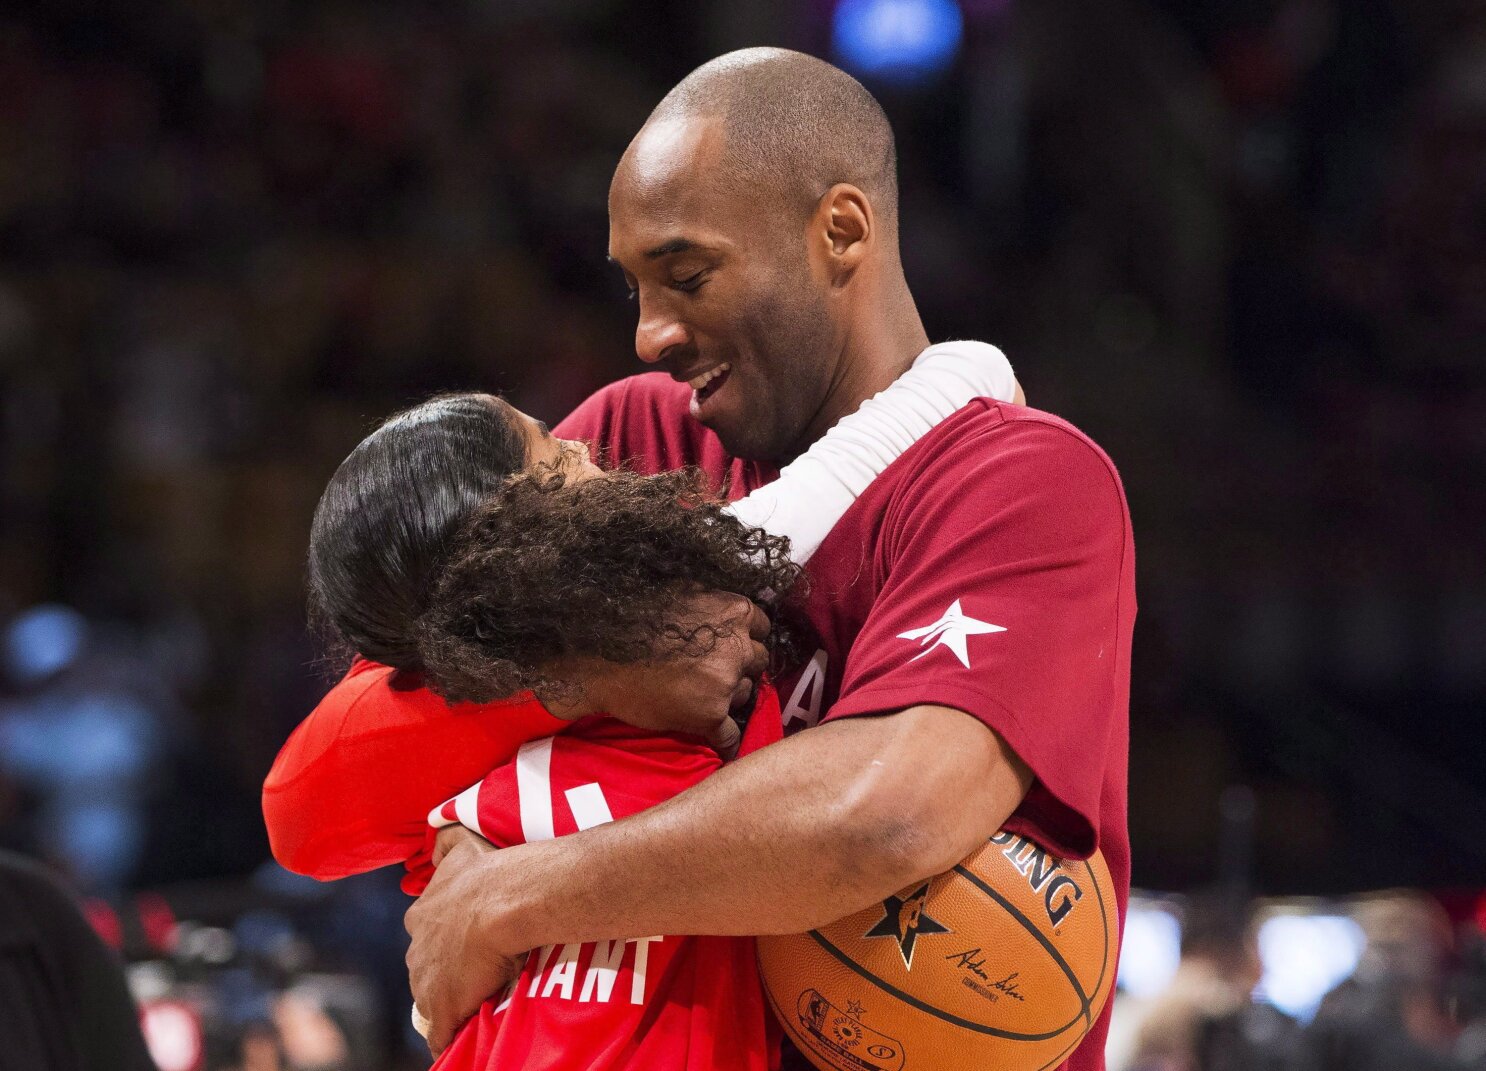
point(973, 610)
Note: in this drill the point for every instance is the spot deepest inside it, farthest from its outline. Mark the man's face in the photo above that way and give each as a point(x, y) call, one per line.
point(726, 296)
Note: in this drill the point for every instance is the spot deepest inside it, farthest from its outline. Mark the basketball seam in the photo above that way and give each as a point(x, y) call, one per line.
point(1104, 918)
point(948, 1017)
point(1064, 1054)
point(1041, 939)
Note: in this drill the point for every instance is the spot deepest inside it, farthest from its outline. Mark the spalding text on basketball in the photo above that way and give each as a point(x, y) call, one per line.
point(1043, 873)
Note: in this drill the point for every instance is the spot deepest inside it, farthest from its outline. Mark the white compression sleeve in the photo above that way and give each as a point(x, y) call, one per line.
point(815, 489)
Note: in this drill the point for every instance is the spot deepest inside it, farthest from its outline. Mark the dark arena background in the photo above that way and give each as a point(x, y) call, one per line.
point(1242, 244)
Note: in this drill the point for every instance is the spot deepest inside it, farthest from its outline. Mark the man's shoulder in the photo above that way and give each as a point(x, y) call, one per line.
point(988, 435)
point(653, 395)
point(644, 422)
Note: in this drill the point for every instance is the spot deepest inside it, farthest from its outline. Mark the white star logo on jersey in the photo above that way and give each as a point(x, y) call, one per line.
point(951, 630)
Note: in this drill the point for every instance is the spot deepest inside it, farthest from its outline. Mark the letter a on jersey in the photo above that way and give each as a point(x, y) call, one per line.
point(951, 630)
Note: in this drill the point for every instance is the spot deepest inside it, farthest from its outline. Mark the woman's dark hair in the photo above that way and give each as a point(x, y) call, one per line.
point(546, 571)
point(388, 515)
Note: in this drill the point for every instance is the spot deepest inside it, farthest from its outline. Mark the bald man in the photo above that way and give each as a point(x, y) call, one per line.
point(972, 613)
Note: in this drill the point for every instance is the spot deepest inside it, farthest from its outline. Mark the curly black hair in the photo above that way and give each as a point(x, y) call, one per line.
point(547, 570)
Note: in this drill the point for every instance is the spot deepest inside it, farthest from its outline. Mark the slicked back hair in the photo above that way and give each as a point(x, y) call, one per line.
point(794, 126)
point(390, 513)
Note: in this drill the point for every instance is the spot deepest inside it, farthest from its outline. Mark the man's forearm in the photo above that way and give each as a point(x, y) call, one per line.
point(790, 838)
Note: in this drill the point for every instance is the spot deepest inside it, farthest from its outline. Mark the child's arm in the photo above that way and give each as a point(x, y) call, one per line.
point(817, 488)
point(352, 787)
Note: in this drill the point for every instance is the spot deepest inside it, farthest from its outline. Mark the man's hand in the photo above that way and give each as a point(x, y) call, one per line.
point(450, 837)
point(451, 970)
point(682, 692)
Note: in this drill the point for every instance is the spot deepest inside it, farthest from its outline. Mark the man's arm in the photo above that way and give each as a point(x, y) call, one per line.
point(1017, 520)
point(787, 839)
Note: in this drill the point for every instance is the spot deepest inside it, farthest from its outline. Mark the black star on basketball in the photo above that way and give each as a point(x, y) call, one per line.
point(904, 920)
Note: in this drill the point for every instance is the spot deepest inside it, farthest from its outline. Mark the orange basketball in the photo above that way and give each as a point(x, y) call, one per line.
point(1002, 963)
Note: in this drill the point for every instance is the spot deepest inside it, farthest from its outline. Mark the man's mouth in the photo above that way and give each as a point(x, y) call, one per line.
point(709, 382)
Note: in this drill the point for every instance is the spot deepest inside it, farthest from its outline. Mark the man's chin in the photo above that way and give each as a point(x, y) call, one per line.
point(744, 430)
point(741, 439)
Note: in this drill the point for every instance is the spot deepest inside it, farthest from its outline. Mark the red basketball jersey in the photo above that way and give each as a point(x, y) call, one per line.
point(369, 776)
point(989, 569)
point(657, 1002)
point(351, 788)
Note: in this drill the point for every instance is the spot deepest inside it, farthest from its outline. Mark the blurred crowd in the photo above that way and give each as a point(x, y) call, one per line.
point(1414, 1001)
point(1241, 244)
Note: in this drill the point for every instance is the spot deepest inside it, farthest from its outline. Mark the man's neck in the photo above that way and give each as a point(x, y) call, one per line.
point(870, 360)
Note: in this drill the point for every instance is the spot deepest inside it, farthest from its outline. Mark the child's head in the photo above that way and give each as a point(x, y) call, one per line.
point(388, 514)
point(461, 538)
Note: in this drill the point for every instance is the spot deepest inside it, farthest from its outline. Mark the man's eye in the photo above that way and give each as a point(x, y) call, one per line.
point(690, 283)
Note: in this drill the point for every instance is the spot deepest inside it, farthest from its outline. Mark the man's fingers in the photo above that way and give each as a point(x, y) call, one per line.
point(726, 738)
point(742, 693)
point(758, 622)
point(440, 1035)
point(758, 660)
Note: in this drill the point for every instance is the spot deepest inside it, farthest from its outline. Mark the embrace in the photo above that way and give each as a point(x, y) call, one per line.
point(915, 593)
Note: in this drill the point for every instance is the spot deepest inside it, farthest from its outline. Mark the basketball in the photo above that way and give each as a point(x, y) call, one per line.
point(1001, 964)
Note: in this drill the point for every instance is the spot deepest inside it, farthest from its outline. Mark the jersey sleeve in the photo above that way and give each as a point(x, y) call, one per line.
point(352, 787)
point(597, 771)
point(1002, 596)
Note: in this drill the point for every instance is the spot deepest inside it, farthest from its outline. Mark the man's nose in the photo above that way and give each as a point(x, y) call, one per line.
point(657, 333)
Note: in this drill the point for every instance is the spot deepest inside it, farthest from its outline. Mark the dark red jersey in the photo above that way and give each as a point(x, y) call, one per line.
point(989, 569)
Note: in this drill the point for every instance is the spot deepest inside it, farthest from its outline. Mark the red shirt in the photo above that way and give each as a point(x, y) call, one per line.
point(653, 1004)
point(989, 569)
point(351, 788)
point(354, 787)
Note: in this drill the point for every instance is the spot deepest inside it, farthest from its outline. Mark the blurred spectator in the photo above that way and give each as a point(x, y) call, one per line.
point(1470, 997)
point(1391, 1015)
point(1208, 1021)
point(63, 1002)
point(84, 737)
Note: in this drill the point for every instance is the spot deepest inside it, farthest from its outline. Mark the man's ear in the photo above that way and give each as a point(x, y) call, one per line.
point(846, 229)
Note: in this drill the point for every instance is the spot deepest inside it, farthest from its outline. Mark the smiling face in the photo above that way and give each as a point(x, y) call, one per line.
point(728, 299)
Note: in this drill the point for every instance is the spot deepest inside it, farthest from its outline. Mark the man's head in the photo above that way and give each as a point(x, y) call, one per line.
point(755, 218)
